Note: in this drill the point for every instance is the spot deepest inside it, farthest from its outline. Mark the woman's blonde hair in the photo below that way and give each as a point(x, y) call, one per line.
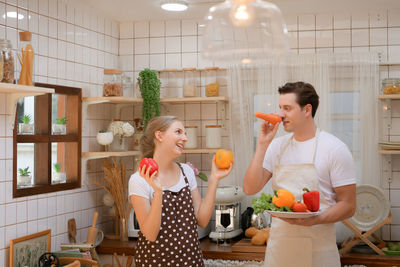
point(147, 144)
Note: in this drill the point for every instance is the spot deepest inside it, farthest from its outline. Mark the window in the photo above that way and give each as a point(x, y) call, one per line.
point(47, 142)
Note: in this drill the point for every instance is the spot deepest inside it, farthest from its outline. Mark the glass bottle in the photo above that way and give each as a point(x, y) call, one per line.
point(189, 82)
point(26, 59)
point(127, 86)
point(8, 61)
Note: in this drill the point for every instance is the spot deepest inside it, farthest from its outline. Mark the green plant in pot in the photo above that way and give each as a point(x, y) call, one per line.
point(26, 127)
point(60, 127)
point(25, 178)
point(149, 85)
point(58, 176)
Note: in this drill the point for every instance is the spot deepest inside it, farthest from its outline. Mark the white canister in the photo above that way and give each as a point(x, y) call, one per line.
point(213, 136)
point(191, 133)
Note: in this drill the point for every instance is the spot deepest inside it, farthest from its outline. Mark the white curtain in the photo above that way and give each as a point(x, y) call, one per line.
point(347, 85)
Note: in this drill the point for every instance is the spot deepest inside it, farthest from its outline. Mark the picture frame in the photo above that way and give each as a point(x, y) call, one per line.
point(26, 250)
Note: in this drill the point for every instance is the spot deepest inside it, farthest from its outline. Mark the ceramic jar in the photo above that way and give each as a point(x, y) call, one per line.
point(191, 133)
point(213, 136)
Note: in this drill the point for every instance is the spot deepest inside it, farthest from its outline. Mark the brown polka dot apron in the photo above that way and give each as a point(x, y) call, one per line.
point(177, 243)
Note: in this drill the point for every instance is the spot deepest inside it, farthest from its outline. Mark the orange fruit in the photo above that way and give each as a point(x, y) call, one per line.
point(223, 158)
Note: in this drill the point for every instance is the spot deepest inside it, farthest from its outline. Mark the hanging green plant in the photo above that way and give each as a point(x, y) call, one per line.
point(149, 85)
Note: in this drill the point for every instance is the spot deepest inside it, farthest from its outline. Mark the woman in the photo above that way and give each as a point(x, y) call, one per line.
point(168, 204)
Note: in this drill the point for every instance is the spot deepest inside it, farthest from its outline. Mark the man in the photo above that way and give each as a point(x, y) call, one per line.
point(307, 158)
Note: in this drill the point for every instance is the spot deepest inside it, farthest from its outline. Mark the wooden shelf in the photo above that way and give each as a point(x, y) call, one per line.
point(130, 100)
point(15, 91)
point(101, 155)
point(394, 96)
point(389, 152)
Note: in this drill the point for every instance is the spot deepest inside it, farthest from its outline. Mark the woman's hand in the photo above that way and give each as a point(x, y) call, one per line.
point(151, 180)
point(217, 173)
point(267, 132)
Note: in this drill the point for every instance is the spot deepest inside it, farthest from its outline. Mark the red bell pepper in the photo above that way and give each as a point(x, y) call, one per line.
point(149, 162)
point(311, 199)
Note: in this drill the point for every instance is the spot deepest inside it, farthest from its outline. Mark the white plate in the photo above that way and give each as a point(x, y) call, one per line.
point(372, 207)
point(286, 214)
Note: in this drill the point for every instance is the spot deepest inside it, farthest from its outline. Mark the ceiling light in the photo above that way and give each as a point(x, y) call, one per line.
point(244, 31)
point(174, 5)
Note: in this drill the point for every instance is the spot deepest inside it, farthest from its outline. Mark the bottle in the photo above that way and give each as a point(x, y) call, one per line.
point(26, 59)
point(8, 61)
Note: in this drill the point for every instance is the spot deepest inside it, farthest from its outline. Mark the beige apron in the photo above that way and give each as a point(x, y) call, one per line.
point(300, 246)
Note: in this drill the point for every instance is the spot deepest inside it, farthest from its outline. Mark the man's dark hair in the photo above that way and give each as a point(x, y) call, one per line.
point(305, 94)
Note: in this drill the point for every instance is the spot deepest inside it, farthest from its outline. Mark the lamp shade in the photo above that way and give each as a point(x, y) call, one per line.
point(243, 31)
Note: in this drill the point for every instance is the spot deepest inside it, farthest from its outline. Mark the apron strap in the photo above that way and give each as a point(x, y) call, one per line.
point(278, 158)
point(184, 175)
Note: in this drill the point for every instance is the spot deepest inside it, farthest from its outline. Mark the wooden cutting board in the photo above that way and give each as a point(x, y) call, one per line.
point(245, 245)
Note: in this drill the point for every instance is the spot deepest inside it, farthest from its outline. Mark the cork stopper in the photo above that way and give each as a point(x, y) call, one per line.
point(25, 36)
point(213, 126)
point(112, 71)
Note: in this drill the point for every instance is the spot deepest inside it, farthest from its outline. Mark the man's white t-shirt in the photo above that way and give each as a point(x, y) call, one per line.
point(139, 187)
point(333, 160)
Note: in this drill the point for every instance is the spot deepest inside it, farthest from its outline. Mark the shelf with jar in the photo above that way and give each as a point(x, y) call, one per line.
point(390, 92)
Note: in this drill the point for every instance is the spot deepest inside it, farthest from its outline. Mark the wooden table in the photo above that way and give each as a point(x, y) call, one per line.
point(212, 251)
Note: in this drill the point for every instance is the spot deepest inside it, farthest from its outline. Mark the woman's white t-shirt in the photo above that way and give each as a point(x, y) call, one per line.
point(333, 160)
point(139, 187)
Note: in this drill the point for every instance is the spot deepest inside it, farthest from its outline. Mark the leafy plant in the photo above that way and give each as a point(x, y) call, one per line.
point(61, 121)
point(57, 167)
point(201, 175)
point(24, 172)
point(103, 131)
point(26, 119)
point(149, 85)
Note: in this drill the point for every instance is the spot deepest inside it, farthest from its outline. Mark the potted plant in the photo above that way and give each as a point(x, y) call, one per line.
point(25, 178)
point(105, 138)
point(149, 85)
point(26, 127)
point(60, 126)
point(58, 176)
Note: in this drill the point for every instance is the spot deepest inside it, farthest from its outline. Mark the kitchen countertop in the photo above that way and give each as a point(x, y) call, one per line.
point(212, 251)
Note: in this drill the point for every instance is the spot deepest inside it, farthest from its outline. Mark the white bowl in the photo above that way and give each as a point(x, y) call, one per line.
point(105, 138)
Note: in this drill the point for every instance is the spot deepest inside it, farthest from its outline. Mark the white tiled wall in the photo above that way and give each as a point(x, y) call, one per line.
point(72, 47)
point(177, 44)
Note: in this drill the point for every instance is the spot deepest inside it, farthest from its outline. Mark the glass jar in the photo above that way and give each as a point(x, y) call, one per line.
point(174, 83)
point(127, 86)
point(189, 82)
point(213, 136)
point(191, 134)
point(8, 61)
point(26, 58)
point(391, 86)
point(163, 76)
point(211, 84)
point(112, 82)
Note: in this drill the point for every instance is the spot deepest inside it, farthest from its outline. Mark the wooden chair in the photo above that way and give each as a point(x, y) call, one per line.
point(72, 260)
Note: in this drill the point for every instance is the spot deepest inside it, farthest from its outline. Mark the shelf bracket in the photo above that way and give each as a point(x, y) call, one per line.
point(388, 115)
point(389, 175)
point(222, 110)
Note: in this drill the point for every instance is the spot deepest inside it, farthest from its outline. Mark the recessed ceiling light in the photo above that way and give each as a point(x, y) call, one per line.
point(174, 5)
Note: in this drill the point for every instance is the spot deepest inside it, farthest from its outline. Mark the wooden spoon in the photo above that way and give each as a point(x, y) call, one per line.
point(129, 261)
point(72, 230)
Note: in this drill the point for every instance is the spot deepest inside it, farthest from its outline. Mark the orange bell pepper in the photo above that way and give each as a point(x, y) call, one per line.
point(282, 198)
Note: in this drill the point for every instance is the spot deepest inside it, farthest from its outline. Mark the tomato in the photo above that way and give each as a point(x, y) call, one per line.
point(299, 207)
point(149, 162)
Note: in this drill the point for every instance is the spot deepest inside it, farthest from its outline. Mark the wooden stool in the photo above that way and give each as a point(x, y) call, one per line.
point(363, 236)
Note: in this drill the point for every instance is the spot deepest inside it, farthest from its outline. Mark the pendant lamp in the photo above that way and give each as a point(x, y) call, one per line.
point(244, 31)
